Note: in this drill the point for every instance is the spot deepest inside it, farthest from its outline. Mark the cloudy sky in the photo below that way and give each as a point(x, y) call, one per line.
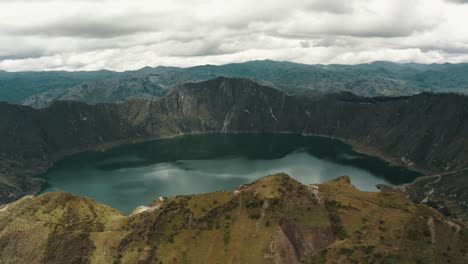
point(130, 34)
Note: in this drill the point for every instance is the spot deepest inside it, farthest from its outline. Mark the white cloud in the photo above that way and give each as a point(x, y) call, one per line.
point(128, 34)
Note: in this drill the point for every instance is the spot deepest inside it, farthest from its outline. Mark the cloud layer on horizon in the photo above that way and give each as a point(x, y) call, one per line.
point(126, 34)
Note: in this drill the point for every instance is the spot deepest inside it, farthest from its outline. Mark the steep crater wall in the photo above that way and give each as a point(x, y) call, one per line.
point(427, 132)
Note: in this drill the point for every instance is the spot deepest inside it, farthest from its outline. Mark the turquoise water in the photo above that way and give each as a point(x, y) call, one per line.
point(128, 176)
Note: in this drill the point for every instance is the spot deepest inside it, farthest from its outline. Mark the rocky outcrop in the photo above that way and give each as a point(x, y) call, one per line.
point(294, 241)
point(426, 131)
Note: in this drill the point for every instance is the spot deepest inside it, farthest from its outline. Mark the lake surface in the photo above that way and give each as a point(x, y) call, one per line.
point(128, 176)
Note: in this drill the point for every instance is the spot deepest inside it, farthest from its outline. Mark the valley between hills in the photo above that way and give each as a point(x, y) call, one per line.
point(281, 220)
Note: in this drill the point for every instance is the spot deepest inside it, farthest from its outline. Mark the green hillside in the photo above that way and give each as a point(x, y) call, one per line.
point(273, 220)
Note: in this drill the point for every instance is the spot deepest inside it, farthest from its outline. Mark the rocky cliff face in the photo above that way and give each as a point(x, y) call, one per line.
point(273, 220)
point(426, 131)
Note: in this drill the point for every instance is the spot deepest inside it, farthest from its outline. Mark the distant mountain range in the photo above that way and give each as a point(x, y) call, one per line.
point(39, 89)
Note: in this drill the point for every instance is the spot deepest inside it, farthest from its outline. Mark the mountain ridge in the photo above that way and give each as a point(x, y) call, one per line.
point(425, 131)
point(272, 220)
point(372, 79)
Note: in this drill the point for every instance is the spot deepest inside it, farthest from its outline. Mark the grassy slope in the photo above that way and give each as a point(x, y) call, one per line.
point(387, 228)
point(275, 219)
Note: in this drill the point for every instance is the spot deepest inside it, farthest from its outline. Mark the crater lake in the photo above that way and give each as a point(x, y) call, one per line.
point(127, 176)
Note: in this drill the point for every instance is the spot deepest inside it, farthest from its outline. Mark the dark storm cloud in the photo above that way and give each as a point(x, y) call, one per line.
point(88, 27)
point(368, 31)
point(305, 44)
point(450, 49)
point(331, 6)
point(335, 42)
point(22, 55)
point(92, 29)
point(458, 1)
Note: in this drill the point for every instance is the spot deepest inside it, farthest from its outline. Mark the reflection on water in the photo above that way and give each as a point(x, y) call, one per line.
point(133, 175)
